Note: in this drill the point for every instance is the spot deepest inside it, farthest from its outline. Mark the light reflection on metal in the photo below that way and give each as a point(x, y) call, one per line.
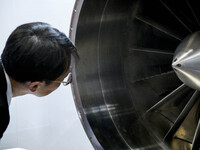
point(102, 108)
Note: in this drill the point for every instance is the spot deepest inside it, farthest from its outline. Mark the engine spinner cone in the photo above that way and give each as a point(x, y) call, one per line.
point(186, 61)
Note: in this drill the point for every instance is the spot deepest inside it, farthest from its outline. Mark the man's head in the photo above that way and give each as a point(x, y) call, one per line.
point(37, 52)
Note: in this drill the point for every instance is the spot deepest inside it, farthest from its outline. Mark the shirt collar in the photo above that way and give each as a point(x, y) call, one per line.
point(9, 87)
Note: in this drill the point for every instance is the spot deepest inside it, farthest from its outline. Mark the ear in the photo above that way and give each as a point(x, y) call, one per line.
point(33, 86)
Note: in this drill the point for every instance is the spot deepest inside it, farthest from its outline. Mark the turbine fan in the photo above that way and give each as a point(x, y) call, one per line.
point(126, 92)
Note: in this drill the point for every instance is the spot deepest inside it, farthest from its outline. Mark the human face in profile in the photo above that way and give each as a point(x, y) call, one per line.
point(42, 89)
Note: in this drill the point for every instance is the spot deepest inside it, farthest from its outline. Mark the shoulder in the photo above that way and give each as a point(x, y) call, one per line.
point(4, 111)
point(4, 120)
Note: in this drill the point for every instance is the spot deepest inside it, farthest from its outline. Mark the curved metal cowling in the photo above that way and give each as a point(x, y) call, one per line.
point(125, 90)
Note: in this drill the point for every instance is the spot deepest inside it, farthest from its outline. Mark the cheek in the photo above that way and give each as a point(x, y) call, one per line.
point(52, 87)
point(48, 89)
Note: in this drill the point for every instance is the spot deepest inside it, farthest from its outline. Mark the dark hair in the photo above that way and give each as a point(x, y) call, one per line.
point(37, 52)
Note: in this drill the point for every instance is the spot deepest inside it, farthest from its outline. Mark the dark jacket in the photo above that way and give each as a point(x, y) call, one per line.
point(4, 109)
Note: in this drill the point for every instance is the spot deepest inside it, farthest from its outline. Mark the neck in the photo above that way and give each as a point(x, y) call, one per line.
point(18, 89)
